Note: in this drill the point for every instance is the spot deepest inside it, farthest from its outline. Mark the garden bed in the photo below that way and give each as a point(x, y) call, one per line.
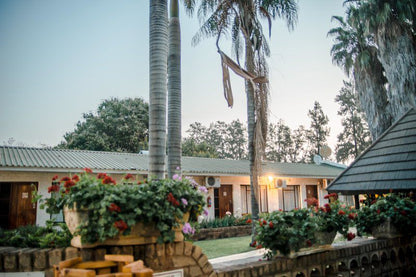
point(222, 232)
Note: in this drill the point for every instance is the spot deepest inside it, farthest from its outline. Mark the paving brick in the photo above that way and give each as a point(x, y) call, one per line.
point(196, 252)
point(195, 271)
point(187, 249)
point(25, 258)
point(71, 252)
point(179, 246)
point(55, 256)
point(10, 261)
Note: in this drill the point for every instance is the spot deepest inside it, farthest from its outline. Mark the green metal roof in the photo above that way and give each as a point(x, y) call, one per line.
point(48, 159)
point(388, 164)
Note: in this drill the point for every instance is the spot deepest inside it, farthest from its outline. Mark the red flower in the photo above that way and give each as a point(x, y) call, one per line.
point(331, 195)
point(271, 225)
point(129, 176)
point(53, 188)
point(260, 222)
point(327, 208)
point(253, 244)
point(312, 201)
point(259, 246)
point(308, 243)
point(66, 178)
point(87, 170)
point(352, 215)
point(139, 182)
point(108, 180)
point(326, 196)
point(114, 208)
point(350, 236)
point(374, 201)
point(120, 225)
point(55, 178)
point(75, 178)
point(378, 211)
point(403, 212)
point(101, 175)
point(248, 221)
point(264, 222)
point(68, 184)
point(172, 199)
point(341, 212)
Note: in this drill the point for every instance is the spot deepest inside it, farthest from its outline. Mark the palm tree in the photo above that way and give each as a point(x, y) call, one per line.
point(241, 19)
point(393, 24)
point(158, 38)
point(174, 90)
point(357, 55)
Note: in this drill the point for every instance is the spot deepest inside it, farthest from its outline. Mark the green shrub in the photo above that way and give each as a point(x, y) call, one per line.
point(226, 221)
point(51, 236)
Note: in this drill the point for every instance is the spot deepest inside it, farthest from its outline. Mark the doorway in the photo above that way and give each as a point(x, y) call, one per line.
point(21, 209)
point(311, 192)
point(223, 200)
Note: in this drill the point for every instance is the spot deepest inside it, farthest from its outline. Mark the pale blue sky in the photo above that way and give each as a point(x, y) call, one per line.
point(59, 59)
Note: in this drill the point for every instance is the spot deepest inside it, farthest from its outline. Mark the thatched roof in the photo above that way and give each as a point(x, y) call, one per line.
point(389, 164)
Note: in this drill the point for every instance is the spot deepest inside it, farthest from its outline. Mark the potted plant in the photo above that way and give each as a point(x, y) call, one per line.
point(285, 232)
point(97, 210)
point(334, 217)
point(387, 217)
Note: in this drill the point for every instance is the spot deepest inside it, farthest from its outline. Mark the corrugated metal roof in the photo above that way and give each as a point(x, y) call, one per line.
point(389, 163)
point(43, 159)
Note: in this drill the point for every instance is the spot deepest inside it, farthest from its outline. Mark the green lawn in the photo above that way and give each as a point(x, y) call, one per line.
point(224, 247)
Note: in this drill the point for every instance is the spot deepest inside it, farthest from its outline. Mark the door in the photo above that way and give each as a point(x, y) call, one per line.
point(22, 210)
point(311, 192)
point(225, 200)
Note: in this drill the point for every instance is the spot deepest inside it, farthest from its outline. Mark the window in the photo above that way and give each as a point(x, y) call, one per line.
point(290, 197)
point(245, 199)
point(263, 200)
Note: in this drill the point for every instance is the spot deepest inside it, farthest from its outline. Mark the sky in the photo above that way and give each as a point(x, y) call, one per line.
point(60, 59)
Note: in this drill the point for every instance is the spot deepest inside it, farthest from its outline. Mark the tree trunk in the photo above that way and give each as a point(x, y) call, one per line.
point(174, 89)
point(158, 39)
point(397, 54)
point(251, 127)
point(372, 94)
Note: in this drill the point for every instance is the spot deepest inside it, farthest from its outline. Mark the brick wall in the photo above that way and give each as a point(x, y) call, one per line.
point(389, 257)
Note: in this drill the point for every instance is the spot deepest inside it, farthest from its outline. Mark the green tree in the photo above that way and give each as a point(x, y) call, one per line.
point(297, 151)
point(158, 51)
point(190, 148)
point(236, 140)
point(318, 131)
point(118, 125)
point(356, 52)
point(279, 142)
point(241, 19)
point(355, 136)
point(174, 91)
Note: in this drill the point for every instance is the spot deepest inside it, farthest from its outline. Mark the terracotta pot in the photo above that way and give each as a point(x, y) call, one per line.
point(141, 233)
point(385, 230)
point(325, 238)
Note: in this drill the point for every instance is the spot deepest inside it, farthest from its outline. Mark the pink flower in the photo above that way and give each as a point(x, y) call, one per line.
point(184, 202)
point(205, 212)
point(203, 189)
point(188, 229)
point(177, 177)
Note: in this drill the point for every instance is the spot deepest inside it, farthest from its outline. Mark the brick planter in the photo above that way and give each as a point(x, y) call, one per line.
point(223, 232)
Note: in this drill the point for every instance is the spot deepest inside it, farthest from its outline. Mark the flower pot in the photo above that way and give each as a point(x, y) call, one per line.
point(385, 230)
point(325, 238)
point(141, 233)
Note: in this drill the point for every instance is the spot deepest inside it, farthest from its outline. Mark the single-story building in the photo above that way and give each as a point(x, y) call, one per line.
point(282, 186)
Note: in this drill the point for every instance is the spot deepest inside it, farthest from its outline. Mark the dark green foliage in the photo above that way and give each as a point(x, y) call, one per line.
point(163, 202)
point(285, 231)
point(118, 125)
point(318, 131)
point(219, 140)
point(53, 235)
point(401, 211)
point(355, 136)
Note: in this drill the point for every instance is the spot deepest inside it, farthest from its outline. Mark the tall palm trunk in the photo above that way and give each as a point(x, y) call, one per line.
point(158, 39)
point(372, 94)
point(251, 129)
point(397, 54)
point(174, 89)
